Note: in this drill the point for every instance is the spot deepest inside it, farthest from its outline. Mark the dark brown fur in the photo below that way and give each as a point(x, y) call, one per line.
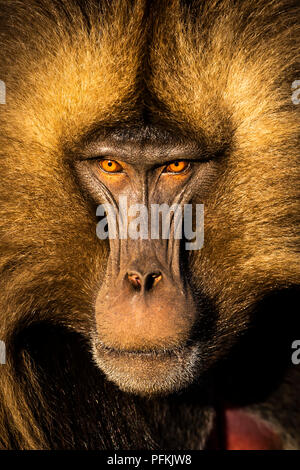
point(222, 70)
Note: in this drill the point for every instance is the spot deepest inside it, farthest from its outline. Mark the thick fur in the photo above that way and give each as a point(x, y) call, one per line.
point(221, 70)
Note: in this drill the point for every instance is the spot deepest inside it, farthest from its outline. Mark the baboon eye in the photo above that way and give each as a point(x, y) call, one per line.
point(110, 166)
point(177, 167)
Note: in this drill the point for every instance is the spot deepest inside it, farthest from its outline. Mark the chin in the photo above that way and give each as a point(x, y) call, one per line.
point(148, 373)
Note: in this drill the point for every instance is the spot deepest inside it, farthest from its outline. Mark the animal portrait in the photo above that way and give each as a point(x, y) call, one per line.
point(149, 224)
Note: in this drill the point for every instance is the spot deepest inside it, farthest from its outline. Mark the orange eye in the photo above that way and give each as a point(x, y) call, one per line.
point(110, 166)
point(177, 167)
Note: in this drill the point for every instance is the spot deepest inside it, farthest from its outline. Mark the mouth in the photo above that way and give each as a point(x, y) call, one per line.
point(147, 353)
point(150, 372)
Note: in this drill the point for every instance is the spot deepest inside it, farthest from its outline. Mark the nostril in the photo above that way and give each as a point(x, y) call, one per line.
point(152, 279)
point(143, 282)
point(135, 280)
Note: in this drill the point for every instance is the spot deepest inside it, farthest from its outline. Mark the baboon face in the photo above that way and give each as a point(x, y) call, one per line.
point(174, 107)
point(146, 309)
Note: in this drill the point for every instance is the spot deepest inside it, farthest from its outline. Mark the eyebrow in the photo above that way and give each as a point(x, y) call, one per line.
point(136, 134)
point(171, 141)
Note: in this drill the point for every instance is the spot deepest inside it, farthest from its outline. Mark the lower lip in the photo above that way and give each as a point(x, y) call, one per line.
point(148, 372)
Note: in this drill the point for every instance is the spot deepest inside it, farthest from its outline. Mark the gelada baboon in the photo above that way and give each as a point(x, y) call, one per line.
point(128, 343)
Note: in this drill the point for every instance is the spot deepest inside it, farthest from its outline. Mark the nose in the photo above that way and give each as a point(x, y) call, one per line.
point(144, 282)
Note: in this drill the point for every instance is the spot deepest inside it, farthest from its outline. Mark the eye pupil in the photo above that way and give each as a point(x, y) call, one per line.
point(110, 166)
point(179, 166)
